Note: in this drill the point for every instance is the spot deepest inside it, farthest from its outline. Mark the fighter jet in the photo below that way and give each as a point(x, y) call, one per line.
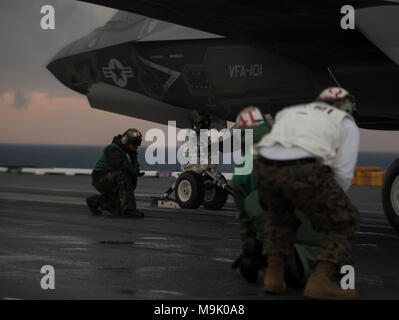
point(167, 60)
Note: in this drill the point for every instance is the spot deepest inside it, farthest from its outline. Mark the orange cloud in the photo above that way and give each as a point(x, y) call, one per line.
point(61, 120)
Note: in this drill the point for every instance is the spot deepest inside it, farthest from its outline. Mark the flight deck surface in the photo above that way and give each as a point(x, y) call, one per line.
point(170, 254)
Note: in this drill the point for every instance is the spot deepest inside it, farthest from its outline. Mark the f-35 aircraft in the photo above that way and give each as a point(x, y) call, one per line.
point(167, 60)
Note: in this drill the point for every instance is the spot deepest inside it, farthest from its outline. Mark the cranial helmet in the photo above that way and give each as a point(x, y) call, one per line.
point(132, 136)
point(332, 95)
point(250, 116)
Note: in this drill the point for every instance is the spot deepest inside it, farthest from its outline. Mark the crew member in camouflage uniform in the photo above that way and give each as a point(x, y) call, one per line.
point(307, 162)
point(115, 176)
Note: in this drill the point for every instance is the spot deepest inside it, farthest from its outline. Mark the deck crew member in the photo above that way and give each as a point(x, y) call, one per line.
point(251, 222)
point(115, 176)
point(307, 162)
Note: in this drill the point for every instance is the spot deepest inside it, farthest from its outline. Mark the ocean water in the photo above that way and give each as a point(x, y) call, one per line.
point(56, 156)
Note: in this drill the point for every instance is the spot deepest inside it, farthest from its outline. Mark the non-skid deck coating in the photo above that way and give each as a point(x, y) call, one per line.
point(170, 254)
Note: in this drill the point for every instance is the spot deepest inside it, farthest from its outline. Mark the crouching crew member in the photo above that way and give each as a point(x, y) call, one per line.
point(307, 162)
point(251, 217)
point(115, 176)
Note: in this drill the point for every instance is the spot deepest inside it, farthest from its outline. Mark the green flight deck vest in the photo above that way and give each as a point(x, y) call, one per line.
point(245, 183)
point(102, 164)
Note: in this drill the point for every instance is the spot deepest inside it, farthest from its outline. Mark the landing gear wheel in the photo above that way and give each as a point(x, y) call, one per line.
point(214, 197)
point(390, 195)
point(189, 190)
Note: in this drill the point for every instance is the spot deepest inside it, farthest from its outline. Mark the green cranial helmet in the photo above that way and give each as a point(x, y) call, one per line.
point(133, 136)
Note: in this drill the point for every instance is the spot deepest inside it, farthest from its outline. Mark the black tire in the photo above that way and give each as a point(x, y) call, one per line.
point(214, 197)
point(390, 195)
point(189, 190)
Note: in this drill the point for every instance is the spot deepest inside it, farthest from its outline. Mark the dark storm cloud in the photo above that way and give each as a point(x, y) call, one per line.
point(26, 48)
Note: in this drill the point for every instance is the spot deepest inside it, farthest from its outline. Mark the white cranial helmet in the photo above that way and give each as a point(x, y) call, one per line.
point(336, 94)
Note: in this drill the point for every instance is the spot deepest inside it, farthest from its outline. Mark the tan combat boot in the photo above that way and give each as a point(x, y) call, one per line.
point(274, 275)
point(320, 286)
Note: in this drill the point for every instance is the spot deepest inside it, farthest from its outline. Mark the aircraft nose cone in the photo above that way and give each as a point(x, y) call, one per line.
point(51, 66)
point(70, 70)
point(57, 64)
point(65, 72)
point(56, 68)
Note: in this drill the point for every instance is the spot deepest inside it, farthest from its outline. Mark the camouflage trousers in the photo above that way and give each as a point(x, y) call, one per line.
point(117, 191)
point(312, 189)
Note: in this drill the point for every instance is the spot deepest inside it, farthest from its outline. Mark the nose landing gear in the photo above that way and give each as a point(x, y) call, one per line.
point(193, 188)
point(198, 183)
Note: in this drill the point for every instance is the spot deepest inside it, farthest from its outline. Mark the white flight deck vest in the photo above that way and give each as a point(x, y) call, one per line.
point(313, 127)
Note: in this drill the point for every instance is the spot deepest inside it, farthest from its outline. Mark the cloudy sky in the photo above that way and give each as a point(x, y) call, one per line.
point(37, 109)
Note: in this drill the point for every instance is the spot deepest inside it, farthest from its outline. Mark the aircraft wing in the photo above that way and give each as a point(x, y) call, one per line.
point(299, 20)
